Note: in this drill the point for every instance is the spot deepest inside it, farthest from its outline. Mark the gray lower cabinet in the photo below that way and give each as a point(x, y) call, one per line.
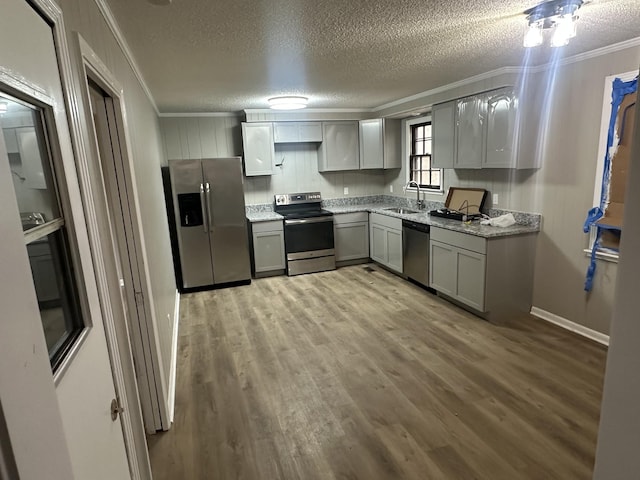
point(385, 236)
point(268, 247)
point(492, 276)
point(351, 236)
point(458, 273)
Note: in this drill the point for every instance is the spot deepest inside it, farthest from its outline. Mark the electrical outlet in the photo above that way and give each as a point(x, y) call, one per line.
point(495, 199)
point(346, 190)
point(391, 188)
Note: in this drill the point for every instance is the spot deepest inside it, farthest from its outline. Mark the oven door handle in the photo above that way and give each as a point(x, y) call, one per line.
point(302, 221)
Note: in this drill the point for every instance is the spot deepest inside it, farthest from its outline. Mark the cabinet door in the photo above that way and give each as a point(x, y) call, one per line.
point(470, 278)
point(371, 144)
point(378, 239)
point(351, 241)
point(442, 267)
point(394, 250)
point(469, 135)
point(257, 139)
point(268, 251)
point(286, 132)
point(444, 134)
point(340, 149)
point(500, 129)
point(10, 140)
point(310, 132)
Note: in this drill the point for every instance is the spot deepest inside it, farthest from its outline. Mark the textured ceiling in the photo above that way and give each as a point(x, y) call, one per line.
point(230, 55)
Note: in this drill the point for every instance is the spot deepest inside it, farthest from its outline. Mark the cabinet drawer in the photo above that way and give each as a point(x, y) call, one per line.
point(270, 226)
point(355, 217)
point(389, 222)
point(459, 239)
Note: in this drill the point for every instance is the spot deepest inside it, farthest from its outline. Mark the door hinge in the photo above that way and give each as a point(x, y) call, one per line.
point(116, 409)
point(139, 296)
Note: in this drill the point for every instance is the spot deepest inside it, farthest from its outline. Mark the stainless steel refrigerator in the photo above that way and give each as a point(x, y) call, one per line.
point(211, 224)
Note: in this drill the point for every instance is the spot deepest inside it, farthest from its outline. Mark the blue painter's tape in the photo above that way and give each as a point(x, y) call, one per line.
point(619, 90)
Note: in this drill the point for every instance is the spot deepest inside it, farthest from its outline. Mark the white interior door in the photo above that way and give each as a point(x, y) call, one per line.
point(84, 384)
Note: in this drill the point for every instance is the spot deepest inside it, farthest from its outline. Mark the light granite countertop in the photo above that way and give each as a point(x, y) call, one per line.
point(473, 228)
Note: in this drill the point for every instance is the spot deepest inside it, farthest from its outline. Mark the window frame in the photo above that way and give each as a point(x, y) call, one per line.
point(410, 124)
point(604, 253)
point(62, 225)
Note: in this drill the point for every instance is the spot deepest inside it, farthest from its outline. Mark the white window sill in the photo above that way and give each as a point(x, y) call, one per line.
point(606, 256)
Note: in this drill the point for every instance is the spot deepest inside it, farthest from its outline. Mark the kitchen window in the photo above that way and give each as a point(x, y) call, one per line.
point(44, 225)
point(420, 148)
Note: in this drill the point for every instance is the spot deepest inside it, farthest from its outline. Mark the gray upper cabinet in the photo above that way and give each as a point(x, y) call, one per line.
point(371, 144)
point(380, 143)
point(340, 148)
point(297, 132)
point(259, 153)
point(470, 131)
point(500, 126)
point(443, 130)
point(481, 131)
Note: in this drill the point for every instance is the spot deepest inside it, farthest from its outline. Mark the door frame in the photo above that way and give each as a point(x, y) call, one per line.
point(151, 385)
point(119, 349)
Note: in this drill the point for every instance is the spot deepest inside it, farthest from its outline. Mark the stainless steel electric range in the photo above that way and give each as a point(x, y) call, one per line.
point(308, 233)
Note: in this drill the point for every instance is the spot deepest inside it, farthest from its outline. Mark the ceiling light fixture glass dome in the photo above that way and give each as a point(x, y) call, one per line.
point(288, 102)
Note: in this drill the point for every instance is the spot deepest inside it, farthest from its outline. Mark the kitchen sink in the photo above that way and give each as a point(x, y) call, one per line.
point(400, 210)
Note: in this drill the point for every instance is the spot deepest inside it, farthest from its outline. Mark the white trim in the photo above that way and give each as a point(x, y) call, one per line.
point(571, 326)
point(602, 255)
point(124, 46)
point(307, 110)
point(200, 114)
point(634, 42)
point(459, 83)
point(174, 359)
point(90, 65)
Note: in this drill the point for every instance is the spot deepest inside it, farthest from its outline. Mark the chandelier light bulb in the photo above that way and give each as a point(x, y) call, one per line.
point(533, 35)
point(565, 30)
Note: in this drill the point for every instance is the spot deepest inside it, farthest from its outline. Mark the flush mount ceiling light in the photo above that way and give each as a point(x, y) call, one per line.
point(557, 15)
point(288, 102)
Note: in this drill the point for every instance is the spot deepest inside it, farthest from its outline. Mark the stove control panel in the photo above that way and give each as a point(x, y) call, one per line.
point(297, 198)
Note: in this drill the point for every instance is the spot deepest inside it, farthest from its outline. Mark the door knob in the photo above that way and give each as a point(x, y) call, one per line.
point(115, 409)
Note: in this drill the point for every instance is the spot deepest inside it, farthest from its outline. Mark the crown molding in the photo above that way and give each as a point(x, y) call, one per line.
point(310, 110)
point(616, 47)
point(200, 114)
point(122, 42)
point(444, 88)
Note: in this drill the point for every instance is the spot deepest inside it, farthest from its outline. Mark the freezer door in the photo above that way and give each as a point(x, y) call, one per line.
point(189, 199)
point(228, 223)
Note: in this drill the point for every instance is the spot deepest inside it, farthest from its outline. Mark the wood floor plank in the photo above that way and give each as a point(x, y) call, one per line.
point(358, 374)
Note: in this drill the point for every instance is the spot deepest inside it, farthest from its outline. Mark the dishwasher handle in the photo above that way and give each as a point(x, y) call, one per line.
point(420, 227)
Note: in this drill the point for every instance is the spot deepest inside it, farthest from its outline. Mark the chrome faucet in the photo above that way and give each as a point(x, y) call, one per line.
point(413, 183)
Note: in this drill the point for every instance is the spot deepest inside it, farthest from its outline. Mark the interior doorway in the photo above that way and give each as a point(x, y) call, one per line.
point(122, 222)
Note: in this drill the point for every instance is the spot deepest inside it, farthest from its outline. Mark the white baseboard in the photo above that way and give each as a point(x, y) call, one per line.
point(174, 359)
point(569, 325)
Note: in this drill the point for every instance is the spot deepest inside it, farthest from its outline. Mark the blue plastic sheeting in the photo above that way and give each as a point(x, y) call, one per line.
point(619, 91)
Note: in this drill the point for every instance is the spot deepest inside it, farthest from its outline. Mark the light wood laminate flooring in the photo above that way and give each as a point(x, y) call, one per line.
point(358, 374)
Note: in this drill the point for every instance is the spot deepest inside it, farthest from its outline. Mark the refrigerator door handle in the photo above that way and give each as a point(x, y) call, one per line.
point(205, 210)
point(208, 192)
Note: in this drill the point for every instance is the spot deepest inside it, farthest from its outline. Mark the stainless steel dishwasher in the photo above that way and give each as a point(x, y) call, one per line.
point(415, 251)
